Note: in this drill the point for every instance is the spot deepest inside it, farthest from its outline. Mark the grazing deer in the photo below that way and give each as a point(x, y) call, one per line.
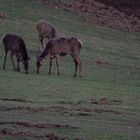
point(59, 47)
point(16, 46)
point(45, 30)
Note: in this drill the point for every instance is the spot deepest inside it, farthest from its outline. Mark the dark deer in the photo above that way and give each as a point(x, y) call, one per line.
point(59, 47)
point(16, 46)
point(45, 30)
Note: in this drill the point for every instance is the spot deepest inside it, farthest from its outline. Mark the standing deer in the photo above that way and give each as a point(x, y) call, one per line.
point(60, 47)
point(45, 30)
point(16, 46)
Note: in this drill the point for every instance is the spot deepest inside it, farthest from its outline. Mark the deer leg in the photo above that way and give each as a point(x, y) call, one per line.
point(18, 67)
point(50, 66)
point(12, 59)
point(75, 73)
point(80, 68)
point(79, 63)
point(57, 64)
point(5, 59)
point(41, 41)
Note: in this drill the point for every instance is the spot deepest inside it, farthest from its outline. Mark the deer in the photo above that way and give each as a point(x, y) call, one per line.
point(61, 46)
point(16, 46)
point(45, 30)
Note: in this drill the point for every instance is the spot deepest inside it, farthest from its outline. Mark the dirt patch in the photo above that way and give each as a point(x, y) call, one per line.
point(99, 13)
point(105, 101)
point(85, 110)
point(72, 111)
point(129, 7)
point(36, 109)
point(49, 136)
point(101, 62)
point(20, 99)
point(112, 111)
point(2, 16)
point(38, 125)
point(12, 132)
point(72, 102)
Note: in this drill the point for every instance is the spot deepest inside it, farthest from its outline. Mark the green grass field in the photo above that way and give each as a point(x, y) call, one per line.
point(103, 105)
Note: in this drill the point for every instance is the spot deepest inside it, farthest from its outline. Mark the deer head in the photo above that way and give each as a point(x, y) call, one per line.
point(26, 64)
point(39, 62)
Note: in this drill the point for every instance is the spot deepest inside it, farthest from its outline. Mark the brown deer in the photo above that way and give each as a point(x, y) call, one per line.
point(45, 30)
point(16, 46)
point(59, 47)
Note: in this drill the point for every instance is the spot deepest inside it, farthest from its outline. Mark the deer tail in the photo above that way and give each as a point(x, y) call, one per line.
point(3, 36)
point(81, 43)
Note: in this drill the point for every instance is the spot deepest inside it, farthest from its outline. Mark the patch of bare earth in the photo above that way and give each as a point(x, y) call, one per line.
point(101, 62)
point(9, 127)
point(48, 136)
point(20, 99)
point(73, 111)
point(2, 17)
point(105, 101)
point(129, 7)
point(10, 130)
point(38, 125)
point(99, 13)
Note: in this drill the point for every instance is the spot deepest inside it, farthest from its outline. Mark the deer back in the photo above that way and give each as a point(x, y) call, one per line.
point(16, 45)
point(46, 29)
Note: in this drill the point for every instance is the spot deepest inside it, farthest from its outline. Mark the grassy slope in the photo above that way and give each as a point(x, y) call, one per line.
point(118, 80)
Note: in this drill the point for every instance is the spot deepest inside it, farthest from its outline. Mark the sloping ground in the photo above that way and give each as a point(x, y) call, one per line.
point(129, 7)
point(101, 13)
point(102, 105)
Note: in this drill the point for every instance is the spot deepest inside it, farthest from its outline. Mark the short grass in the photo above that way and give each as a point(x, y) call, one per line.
point(118, 78)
